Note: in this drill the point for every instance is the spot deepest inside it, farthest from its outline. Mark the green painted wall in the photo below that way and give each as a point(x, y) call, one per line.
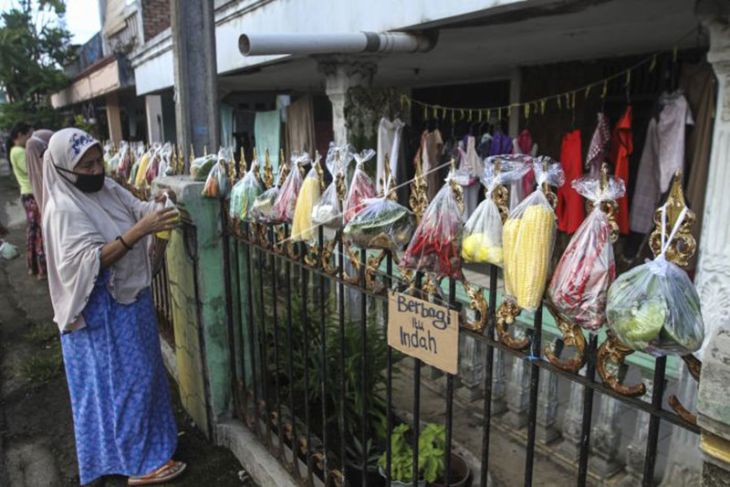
point(206, 318)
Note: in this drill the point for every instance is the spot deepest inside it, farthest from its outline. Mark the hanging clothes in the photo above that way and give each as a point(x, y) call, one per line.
point(523, 144)
point(300, 126)
point(698, 82)
point(267, 130)
point(663, 155)
point(470, 164)
point(501, 144)
point(389, 137)
point(597, 150)
point(622, 146)
point(431, 145)
point(570, 209)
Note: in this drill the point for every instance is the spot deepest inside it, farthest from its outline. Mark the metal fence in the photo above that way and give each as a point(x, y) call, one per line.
point(163, 304)
point(309, 340)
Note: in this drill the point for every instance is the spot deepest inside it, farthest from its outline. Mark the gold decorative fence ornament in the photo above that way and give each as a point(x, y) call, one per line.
point(612, 353)
point(418, 200)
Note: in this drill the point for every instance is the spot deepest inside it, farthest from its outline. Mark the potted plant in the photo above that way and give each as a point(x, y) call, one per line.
point(431, 461)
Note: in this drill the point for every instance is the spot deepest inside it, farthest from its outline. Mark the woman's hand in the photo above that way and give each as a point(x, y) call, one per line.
point(158, 221)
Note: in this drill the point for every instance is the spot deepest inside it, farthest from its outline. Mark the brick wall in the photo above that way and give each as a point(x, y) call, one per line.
point(155, 17)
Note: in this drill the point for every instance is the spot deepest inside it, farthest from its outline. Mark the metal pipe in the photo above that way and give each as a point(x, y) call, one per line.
point(334, 43)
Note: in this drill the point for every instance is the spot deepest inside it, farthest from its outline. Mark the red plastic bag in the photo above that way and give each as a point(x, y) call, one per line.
point(286, 201)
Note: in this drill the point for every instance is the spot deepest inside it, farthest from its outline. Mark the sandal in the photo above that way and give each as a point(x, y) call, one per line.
point(169, 471)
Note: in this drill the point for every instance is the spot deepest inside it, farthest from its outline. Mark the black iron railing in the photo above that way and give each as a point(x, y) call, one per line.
point(312, 370)
point(163, 304)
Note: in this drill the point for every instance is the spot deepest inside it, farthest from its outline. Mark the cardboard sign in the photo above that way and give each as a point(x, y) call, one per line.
point(424, 330)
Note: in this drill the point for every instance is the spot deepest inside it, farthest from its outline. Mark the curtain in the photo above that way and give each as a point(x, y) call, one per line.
point(300, 126)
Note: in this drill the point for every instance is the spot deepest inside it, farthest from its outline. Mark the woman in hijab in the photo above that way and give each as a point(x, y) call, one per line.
point(34, 150)
point(19, 136)
point(97, 236)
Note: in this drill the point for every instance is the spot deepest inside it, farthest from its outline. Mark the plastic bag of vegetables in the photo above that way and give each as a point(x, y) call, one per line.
point(381, 224)
point(283, 210)
point(328, 210)
point(201, 166)
point(361, 187)
point(216, 184)
point(587, 268)
point(302, 229)
point(654, 307)
point(483, 230)
point(436, 243)
point(250, 188)
point(124, 161)
point(528, 237)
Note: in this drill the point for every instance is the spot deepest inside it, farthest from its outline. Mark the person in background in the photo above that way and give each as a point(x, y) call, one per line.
point(34, 150)
point(19, 136)
point(97, 241)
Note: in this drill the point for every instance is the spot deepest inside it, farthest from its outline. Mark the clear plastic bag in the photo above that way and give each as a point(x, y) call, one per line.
point(302, 226)
point(381, 224)
point(285, 204)
point(361, 186)
point(528, 238)
point(263, 206)
point(165, 234)
point(436, 243)
point(483, 230)
point(328, 209)
point(250, 189)
point(216, 184)
point(655, 308)
point(123, 164)
point(200, 167)
point(587, 268)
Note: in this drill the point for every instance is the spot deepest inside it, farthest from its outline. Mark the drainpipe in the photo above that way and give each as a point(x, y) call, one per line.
point(334, 43)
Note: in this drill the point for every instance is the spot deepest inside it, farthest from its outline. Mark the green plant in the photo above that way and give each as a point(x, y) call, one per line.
point(431, 451)
point(42, 367)
point(355, 453)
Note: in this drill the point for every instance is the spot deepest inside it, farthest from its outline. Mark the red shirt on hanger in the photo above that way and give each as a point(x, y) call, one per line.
point(622, 145)
point(570, 208)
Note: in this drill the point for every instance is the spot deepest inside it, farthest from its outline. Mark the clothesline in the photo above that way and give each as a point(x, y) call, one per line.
point(538, 105)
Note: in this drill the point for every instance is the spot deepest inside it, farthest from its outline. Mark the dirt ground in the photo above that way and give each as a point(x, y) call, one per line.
point(36, 431)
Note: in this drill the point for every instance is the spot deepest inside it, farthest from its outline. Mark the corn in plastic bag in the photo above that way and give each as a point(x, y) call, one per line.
point(361, 187)
point(655, 308)
point(528, 237)
point(483, 230)
point(302, 229)
point(436, 243)
point(587, 268)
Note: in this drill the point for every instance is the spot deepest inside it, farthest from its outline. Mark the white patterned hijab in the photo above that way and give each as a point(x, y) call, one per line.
point(76, 225)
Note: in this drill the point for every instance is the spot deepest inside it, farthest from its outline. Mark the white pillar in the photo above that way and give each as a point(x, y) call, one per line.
point(713, 270)
point(155, 124)
point(341, 74)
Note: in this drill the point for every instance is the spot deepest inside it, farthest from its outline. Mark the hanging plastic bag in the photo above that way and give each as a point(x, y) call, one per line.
point(123, 162)
point(200, 167)
point(244, 193)
point(381, 224)
point(328, 210)
point(165, 234)
point(361, 186)
point(302, 227)
point(8, 251)
point(587, 268)
point(654, 307)
point(436, 243)
point(483, 230)
point(528, 238)
point(152, 168)
point(283, 210)
point(216, 184)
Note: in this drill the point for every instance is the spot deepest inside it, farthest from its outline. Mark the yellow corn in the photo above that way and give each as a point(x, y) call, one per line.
point(301, 229)
point(527, 243)
point(140, 180)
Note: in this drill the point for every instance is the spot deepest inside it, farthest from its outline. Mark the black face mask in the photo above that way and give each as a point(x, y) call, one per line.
point(88, 183)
